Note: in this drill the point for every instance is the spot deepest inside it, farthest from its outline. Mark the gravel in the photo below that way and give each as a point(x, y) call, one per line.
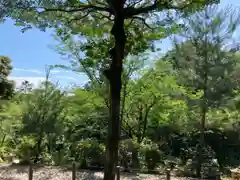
point(14, 172)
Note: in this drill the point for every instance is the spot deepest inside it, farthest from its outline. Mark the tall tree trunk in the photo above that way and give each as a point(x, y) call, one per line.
point(204, 106)
point(201, 143)
point(114, 76)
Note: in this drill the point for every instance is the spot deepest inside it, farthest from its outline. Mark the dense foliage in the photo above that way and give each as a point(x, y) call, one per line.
point(180, 112)
point(125, 24)
point(6, 86)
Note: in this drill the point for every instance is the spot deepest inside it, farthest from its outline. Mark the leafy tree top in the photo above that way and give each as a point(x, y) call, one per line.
point(79, 15)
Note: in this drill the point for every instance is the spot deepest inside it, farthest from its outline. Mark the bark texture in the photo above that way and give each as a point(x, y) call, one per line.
point(114, 76)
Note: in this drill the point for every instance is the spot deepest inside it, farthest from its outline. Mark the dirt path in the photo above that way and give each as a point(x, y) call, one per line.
point(8, 172)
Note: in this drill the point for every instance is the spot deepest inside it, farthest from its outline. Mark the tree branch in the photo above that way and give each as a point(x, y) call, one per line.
point(143, 21)
point(71, 9)
point(133, 4)
point(146, 117)
point(158, 4)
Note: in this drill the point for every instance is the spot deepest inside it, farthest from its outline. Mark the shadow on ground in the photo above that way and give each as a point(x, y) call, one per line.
point(8, 178)
point(20, 172)
point(16, 168)
point(87, 175)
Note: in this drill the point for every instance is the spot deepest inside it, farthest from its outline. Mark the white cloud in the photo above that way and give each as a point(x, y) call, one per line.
point(61, 80)
point(66, 77)
point(56, 71)
point(37, 80)
point(29, 70)
point(34, 80)
point(39, 71)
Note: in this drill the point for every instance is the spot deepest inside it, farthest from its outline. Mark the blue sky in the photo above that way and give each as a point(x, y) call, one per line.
point(30, 53)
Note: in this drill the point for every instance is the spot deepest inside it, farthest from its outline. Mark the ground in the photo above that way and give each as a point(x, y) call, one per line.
point(16, 172)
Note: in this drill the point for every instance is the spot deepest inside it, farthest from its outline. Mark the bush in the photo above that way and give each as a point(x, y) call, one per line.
point(5, 153)
point(125, 154)
point(152, 155)
point(25, 149)
point(90, 153)
point(210, 166)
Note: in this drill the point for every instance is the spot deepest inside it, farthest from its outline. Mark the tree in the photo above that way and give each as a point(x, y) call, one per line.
point(71, 14)
point(95, 60)
point(149, 99)
point(10, 116)
point(205, 62)
point(43, 115)
point(26, 87)
point(6, 86)
point(87, 120)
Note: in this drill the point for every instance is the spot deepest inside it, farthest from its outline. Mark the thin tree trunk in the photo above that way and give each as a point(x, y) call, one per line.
point(38, 148)
point(49, 144)
point(145, 119)
point(123, 100)
point(114, 77)
point(204, 110)
point(204, 106)
point(135, 160)
point(3, 139)
point(201, 144)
